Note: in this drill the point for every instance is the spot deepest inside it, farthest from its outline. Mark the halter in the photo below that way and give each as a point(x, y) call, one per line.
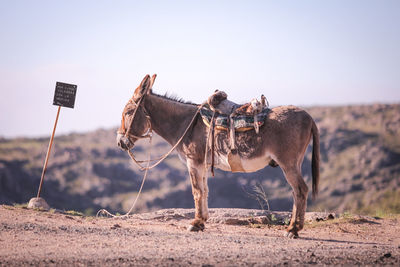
point(149, 132)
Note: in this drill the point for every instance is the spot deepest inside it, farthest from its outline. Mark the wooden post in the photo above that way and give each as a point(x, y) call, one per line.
point(48, 153)
point(64, 96)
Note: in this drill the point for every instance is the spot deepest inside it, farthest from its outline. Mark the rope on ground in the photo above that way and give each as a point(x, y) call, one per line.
point(107, 213)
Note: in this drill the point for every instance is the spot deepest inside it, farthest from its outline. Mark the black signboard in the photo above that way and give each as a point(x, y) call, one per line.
point(65, 95)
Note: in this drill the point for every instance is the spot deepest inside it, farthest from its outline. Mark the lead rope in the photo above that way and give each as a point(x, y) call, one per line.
point(170, 151)
point(106, 212)
point(147, 168)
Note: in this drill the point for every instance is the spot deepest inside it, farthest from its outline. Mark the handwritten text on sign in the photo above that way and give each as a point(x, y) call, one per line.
point(64, 95)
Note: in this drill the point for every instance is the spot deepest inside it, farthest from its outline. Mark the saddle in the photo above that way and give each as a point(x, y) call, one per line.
point(223, 114)
point(232, 116)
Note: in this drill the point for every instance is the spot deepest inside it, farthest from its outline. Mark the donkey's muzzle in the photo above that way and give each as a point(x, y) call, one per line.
point(124, 143)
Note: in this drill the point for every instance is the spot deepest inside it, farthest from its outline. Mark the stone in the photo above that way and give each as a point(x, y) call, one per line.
point(38, 203)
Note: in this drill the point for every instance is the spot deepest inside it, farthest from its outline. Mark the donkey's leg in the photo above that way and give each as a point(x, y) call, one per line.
point(205, 198)
point(199, 193)
point(300, 193)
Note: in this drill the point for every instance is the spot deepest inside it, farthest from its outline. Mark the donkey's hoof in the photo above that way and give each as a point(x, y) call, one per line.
point(196, 228)
point(291, 235)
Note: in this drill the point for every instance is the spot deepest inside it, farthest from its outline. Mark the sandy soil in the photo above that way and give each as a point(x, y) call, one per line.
point(233, 237)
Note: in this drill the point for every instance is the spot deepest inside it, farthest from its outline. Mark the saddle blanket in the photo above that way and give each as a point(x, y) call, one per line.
point(241, 122)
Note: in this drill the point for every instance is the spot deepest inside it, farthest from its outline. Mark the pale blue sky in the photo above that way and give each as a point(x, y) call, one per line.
point(294, 52)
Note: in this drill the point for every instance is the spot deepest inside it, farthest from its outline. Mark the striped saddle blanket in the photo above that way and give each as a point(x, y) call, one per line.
point(241, 123)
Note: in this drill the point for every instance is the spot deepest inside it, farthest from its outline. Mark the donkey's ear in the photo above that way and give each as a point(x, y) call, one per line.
point(153, 78)
point(143, 87)
point(145, 84)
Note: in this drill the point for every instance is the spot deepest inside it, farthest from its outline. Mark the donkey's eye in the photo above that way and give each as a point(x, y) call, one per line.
point(129, 112)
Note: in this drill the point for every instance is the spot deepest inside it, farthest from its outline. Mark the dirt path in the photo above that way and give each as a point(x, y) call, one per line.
point(233, 237)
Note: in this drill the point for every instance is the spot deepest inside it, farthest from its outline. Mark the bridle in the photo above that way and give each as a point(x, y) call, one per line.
point(149, 132)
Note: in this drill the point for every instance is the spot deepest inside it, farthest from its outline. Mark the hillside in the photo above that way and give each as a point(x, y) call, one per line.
point(360, 170)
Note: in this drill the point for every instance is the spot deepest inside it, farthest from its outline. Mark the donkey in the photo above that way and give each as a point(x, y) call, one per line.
point(282, 140)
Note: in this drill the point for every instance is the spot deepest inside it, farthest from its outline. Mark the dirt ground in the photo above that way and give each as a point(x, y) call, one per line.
point(232, 238)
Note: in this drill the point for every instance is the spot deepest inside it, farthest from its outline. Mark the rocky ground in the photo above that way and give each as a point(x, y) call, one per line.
point(233, 237)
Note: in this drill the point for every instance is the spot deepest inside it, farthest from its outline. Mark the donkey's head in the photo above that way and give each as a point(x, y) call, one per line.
point(135, 123)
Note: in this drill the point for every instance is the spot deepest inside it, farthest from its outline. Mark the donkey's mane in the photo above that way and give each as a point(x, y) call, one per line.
point(174, 98)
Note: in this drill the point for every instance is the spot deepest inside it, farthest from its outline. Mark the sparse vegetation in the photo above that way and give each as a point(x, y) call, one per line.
point(258, 193)
point(387, 203)
point(20, 205)
point(74, 213)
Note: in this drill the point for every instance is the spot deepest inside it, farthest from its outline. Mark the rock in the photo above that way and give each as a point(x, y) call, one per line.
point(38, 203)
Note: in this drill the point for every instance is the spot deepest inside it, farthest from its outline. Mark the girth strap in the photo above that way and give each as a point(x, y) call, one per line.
point(232, 132)
point(213, 144)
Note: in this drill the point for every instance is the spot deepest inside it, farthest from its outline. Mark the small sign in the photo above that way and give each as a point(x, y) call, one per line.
point(65, 95)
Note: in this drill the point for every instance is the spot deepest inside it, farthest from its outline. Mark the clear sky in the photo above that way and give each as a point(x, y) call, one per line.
point(294, 52)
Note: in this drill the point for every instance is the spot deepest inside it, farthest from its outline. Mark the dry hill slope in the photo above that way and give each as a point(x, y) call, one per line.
point(360, 170)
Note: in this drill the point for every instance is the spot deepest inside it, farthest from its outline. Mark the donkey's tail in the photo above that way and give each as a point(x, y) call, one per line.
point(315, 160)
